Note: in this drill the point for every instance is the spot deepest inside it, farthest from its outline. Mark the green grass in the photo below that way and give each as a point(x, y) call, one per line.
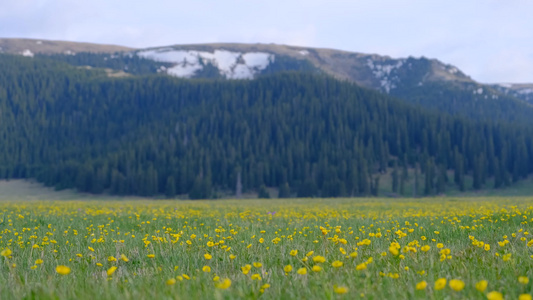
point(180, 233)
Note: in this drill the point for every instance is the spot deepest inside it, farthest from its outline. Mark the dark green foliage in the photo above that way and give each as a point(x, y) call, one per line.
point(395, 178)
point(263, 192)
point(333, 188)
point(458, 99)
point(170, 188)
point(155, 135)
point(307, 189)
point(201, 189)
point(284, 191)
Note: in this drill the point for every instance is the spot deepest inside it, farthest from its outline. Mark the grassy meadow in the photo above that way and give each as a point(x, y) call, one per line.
point(434, 248)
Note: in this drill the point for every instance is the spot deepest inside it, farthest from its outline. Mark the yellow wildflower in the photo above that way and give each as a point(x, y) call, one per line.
point(440, 284)
point(319, 259)
point(287, 268)
point(63, 270)
point(337, 264)
point(421, 285)
point(457, 285)
point(340, 290)
point(316, 268)
point(523, 280)
point(494, 295)
point(224, 283)
point(111, 270)
point(482, 285)
point(246, 269)
point(6, 252)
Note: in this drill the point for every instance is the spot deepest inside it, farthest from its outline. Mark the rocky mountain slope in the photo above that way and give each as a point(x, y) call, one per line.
point(521, 91)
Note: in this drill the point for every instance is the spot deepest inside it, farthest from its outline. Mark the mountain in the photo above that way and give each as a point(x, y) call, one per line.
point(306, 133)
point(425, 82)
point(520, 91)
point(30, 47)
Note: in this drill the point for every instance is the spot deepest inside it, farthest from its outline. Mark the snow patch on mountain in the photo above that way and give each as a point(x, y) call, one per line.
point(27, 53)
point(506, 85)
point(452, 70)
point(231, 65)
point(384, 72)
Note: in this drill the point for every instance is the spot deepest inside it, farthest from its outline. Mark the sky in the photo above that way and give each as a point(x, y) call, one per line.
point(489, 40)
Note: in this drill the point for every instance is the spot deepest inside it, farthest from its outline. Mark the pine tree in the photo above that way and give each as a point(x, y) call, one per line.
point(170, 188)
point(263, 192)
point(395, 178)
point(284, 191)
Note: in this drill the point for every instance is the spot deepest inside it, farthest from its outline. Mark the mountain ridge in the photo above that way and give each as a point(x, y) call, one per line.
point(411, 79)
point(29, 47)
point(332, 61)
point(321, 56)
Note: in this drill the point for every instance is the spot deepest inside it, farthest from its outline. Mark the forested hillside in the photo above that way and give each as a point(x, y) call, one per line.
point(421, 81)
point(307, 134)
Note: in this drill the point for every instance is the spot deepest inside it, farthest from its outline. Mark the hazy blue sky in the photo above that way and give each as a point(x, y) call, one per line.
point(490, 40)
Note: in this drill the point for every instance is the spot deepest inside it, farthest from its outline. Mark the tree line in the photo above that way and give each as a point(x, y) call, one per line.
point(306, 134)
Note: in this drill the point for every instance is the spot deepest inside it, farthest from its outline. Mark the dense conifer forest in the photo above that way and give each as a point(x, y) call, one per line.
point(304, 133)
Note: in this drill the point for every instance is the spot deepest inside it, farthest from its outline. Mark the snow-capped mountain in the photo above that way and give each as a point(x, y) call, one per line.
point(244, 61)
point(423, 81)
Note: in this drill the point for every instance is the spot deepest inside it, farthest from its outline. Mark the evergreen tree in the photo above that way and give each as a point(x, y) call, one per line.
point(170, 187)
point(395, 178)
point(307, 189)
point(263, 193)
point(284, 191)
point(201, 189)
